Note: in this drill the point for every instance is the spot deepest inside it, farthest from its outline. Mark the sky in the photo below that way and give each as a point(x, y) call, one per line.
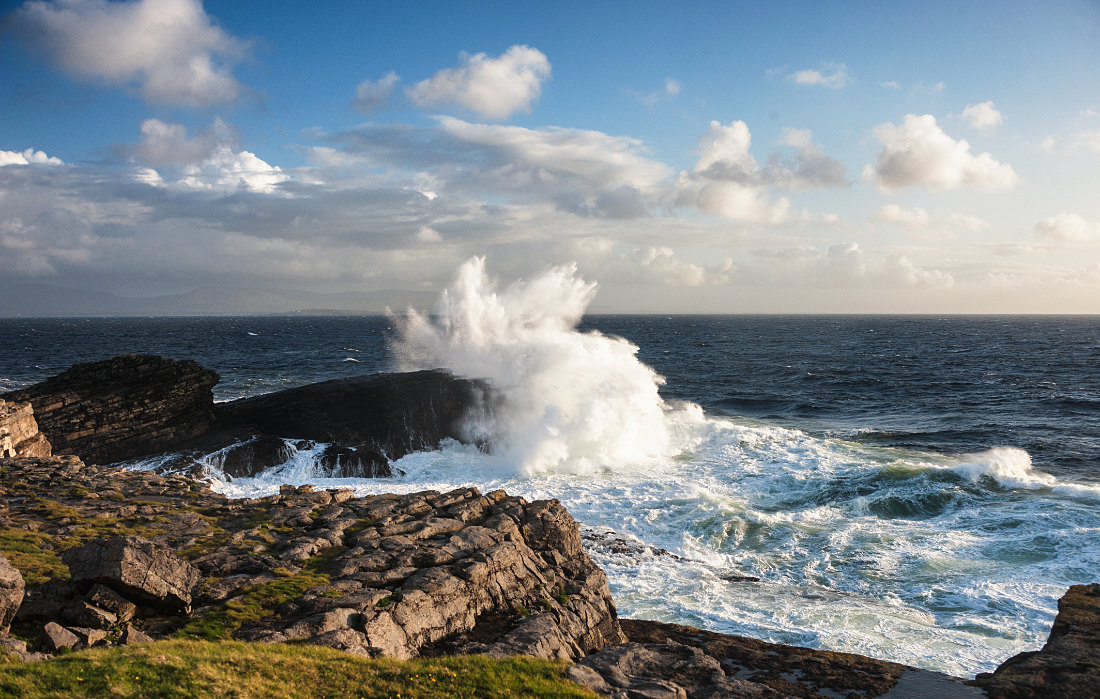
point(706, 157)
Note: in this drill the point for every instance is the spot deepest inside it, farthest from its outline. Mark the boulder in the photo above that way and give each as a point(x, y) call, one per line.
point(146, 571)
point(19, 435)
point(123, 407)
point(54, 637)
point(1067, 666)
point(251, 457)
point(11, 594)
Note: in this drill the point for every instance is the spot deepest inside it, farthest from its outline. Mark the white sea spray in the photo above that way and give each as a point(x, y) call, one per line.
point(568, 400)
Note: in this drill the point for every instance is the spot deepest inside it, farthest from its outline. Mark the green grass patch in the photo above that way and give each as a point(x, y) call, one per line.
point(181, 668)
point(258, 601)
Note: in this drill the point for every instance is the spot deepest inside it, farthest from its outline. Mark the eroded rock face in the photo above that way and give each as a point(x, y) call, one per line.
point(122, 407)
point(11, 593)
point(1067, 666)
point(393, 575)
point(19, 435)
point(135, 566)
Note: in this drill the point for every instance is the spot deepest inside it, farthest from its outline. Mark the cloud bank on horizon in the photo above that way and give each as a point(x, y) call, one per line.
point(158, 146)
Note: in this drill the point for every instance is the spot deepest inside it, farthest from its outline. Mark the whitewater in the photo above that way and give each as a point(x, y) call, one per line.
point(916, 489)
point(950, 562)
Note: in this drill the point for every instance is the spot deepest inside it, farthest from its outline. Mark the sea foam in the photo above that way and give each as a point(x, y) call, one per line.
point(567, 400)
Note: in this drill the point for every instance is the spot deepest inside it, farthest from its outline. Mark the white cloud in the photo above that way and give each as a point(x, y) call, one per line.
point(1087, 140)
point(654, 265)
point(810, 168)
point(226, 170)
point(372, 95)
point(832, 75)
point(546, 154)
point(983, 115)
point(970, 223)
point(910, 218)
point(671, 89)
point(891, 85)
point(171, 49)
point(1068, 228)
point(29, 156)
point(918, 153)
point(492, 87)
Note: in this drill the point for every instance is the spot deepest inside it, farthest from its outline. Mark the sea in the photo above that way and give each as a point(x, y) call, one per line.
point(920, 489)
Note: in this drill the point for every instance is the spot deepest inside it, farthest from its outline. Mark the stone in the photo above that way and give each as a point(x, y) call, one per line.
point(11, 593)
point(107, 599)
point(1068, 665)
point(246, 459)
point(83, 614)
point(147, 571)
point(131, 636)
point(88, 637)
point(54, 637)
point(19, 435)
point(123, 407)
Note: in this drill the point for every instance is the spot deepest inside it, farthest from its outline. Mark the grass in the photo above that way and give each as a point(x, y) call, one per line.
point(258, 601)
point(187, 668)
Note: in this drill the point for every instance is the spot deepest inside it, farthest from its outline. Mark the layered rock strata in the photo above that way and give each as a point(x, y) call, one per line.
point(123, 407)
point(391, 575)
point(19, 435)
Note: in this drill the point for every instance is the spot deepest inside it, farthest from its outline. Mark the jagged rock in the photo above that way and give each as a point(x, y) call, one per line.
point(11, 593)
point(1067, 666)
point(132, 636)
point(46, 602)
point(83, 614)
point(122, 407)
point(18, 648)
point(246, 459)
point(147, 571)
point(54, 637)
point(88, 637)
point(107, 599)
point(373, 419)
point(19, 435)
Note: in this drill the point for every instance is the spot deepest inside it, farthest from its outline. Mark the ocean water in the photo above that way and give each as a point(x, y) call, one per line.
point(917, 489)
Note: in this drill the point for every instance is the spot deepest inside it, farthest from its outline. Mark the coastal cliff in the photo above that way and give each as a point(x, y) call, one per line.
point(94, 556)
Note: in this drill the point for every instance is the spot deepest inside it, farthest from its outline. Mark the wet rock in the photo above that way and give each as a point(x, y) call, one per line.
point(1067, 666)
point(122, 407)
point(138, 567)
point(348, 462)
point(11, 593)
point(247, 459)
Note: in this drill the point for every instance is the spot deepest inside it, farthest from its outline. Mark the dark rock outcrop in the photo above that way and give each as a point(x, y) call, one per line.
point(11, 593)
point(19, 435)
point(1067, 666)
point(138, 406)
point(135, 566)
point(371, 419)
point(122, 407)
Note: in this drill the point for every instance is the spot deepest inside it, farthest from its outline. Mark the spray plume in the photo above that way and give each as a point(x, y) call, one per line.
point(566, 400)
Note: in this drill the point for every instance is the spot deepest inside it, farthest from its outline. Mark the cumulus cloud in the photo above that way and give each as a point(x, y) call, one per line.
point(917, 153)
point(728, 181)
point(29, 156)
point(228, 170)
point(1068, 228)
point(495, 88)
point(983, 116)
point(372, 95)
point(832, 75)
point(170, 49)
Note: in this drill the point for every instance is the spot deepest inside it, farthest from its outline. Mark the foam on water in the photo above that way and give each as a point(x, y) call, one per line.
point(949, 563)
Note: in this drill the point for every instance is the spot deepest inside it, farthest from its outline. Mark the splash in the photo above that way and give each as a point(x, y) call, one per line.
point(568, 400)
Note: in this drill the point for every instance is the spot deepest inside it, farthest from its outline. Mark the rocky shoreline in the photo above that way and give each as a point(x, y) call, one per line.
point(93, 555)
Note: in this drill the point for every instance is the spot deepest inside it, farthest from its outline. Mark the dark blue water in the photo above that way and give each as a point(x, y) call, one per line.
point(943, 384)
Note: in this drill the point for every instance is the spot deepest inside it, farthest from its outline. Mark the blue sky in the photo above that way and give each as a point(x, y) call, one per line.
point(711, 157)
